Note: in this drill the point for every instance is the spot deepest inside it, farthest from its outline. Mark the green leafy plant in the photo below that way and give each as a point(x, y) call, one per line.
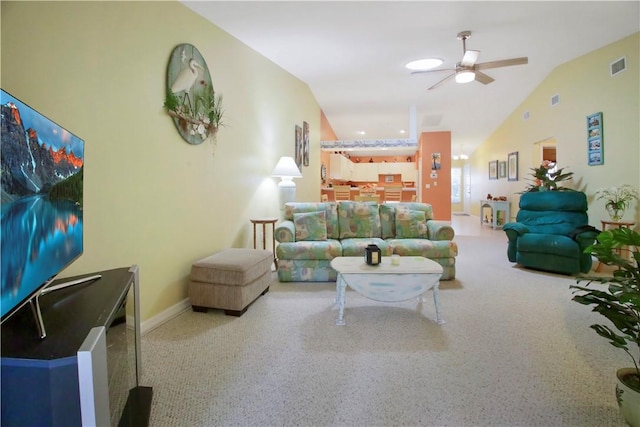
point(619, 302)
point(204, 119)
point(617, 199)
point(545, 180)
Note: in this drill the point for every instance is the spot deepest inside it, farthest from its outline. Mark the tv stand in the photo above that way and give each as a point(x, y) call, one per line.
point(35, 301)
point(87, 370)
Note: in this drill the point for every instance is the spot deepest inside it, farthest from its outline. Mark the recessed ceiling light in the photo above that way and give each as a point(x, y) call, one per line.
point(424, 64)
point(402, 131)
point(361, 132)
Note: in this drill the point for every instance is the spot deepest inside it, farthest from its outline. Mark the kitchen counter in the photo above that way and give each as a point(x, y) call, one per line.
point(407, 192)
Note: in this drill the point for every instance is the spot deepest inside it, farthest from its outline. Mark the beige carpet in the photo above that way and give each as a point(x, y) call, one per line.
point(515, 351)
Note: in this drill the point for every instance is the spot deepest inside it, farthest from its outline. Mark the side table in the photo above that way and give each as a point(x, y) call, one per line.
point(496, 220)
point(264, 223)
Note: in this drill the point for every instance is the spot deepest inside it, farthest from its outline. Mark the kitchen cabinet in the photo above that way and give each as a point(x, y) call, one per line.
point(341, 168)
point(407, 170)
point(365, 172)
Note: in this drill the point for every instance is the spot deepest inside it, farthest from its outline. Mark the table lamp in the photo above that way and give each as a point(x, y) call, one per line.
point(286, 169)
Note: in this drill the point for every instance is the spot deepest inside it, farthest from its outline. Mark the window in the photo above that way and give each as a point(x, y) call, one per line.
point(456, 185)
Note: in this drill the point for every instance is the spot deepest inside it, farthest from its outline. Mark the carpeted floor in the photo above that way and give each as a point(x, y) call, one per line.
point(515, 351)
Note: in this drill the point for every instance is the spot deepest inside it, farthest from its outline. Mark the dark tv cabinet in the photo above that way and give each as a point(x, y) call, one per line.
point(86, 371)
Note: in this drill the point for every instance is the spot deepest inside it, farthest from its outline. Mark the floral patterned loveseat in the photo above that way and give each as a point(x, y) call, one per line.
point(312, 234)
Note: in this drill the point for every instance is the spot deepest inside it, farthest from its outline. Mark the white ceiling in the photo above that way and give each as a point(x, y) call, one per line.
point(352, 55)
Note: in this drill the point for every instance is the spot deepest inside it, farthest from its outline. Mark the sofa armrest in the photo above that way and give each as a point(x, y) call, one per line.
point(585, 236)
point(285, 232)
point(440, 230)
point(515, 229)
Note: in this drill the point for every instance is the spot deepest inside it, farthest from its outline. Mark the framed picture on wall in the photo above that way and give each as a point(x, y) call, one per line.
point(305, 143)
point(502, 169)
point(595, 150)
point(512, 166)
point(298, 147)
point(493, 169)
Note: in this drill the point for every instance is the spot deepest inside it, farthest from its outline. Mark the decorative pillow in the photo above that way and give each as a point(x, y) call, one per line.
point(310, 226)
point(410, 224)
point(358, 219)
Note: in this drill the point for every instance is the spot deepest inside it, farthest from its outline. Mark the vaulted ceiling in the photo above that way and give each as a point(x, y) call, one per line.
point(352, 55)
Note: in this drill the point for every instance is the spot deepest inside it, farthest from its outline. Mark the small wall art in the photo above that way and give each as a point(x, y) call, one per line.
point(502, 169)
point(493, 169)
point(595, 139)
point(298, 147)
point(435, 161)
point(512, 166)
point(305, 143)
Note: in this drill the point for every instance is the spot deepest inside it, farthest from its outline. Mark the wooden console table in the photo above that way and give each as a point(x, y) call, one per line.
point(497, 220)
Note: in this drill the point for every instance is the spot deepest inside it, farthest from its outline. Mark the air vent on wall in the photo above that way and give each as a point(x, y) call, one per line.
point(618, 66)
point(555, 99)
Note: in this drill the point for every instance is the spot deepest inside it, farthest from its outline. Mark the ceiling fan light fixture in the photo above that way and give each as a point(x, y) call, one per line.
point(424, 64)
point(465, 76)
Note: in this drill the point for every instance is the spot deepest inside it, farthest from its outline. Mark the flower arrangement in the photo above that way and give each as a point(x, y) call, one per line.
point(544, 180)
point(368, 189)
point(617, 199)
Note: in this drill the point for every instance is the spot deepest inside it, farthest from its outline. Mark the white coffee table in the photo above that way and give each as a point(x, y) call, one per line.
point(411, 278)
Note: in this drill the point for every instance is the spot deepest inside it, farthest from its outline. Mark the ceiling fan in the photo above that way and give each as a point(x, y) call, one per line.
point(467, 70)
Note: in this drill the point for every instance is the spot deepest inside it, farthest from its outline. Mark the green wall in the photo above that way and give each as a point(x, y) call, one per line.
point(98, 69)
point(585, 87)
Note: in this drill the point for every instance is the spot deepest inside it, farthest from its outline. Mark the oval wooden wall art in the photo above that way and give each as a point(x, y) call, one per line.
point(191, 100)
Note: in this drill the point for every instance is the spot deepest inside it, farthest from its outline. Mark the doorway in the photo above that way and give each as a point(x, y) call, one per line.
point(545, 150)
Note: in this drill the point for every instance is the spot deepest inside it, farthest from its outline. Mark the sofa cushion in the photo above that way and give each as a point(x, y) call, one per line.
point(330, 214)
point(328, 249)
point(387, 221)
point(552, 222)
point(423, 247)
point(310, 226)
point(551, 244)
point(410, 223)
point(358, 220)
point(356, 246)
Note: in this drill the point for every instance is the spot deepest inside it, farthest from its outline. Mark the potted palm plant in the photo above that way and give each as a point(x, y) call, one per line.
point(619, 302)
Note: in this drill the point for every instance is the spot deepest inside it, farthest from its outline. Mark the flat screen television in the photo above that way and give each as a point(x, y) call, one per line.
point(42, 188)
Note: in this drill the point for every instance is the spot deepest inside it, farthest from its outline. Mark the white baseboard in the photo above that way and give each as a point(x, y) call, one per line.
point(165, 316)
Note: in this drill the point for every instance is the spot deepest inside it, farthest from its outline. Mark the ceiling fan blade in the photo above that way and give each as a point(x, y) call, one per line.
point(502, 63)
point(432, 71)
point(441, 82)
point(470, 57)
point(483, 78)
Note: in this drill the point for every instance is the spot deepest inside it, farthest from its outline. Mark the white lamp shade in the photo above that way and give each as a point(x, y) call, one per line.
point(465, 76)
point(286, 167)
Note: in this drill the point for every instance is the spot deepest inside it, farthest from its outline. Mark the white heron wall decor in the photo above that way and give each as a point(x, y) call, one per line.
point(191, 100)
point(185, 81)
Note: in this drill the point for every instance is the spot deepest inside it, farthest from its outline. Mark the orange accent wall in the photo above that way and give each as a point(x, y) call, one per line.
point(439, 192)
point(326, 131)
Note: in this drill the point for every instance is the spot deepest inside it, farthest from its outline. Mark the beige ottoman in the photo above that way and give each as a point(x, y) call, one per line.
point(230, 280)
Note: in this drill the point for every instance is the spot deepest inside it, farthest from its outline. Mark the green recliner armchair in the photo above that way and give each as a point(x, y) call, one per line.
point(551, 232)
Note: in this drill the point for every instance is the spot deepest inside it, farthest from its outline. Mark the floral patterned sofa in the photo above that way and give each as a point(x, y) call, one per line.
point(312, 234)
